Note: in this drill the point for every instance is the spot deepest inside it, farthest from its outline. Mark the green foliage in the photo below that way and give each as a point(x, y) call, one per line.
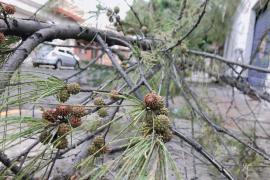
point(6, 46)
point(147, 159)
point(161, 16)
point(27, 87)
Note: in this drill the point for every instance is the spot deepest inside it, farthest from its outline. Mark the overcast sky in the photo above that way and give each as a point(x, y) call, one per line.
point(90, 5)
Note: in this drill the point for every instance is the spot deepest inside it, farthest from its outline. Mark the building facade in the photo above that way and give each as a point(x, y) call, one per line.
point(249, 40)
point(58, 12)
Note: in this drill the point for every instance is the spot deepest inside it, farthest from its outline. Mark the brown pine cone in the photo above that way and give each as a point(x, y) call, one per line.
point(63, 110)
point(49, 115)
point(63, 129)
point(9, 9)
point(62, 144)
point(153, 101)
point(2, 38)
point(75, 121)
point(78, 111)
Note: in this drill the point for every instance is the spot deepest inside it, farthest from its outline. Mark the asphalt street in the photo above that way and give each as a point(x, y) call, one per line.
point(62, 73)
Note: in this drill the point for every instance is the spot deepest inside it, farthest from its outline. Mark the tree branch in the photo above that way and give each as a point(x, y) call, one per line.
point(224, 60)
point(205, 154)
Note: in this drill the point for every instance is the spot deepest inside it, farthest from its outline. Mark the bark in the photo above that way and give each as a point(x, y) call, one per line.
point(23, 28)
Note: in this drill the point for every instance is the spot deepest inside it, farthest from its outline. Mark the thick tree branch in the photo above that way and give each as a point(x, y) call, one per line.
point(8, 163)
point(45, 32)
point(24, 28)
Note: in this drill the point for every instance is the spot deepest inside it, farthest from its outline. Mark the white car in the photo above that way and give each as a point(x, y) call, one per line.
point(55, 56)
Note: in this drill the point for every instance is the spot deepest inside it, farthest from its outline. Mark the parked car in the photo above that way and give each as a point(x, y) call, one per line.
point(55, 56)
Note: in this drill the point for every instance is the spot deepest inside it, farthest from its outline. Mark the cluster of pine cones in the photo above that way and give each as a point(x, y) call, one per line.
point(156, 117)
point(99, 102)
point(61, 120)
point(64, 94)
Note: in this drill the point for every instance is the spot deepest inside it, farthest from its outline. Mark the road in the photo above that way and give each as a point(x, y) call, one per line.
point(63, 73)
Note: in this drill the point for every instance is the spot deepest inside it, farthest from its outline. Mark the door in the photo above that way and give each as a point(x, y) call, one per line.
point(260, 51)
point(71, 60)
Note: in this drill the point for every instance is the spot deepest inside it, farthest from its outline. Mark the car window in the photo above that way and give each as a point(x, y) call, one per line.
point(44, 50)
point(61, 50)
point(69, 52)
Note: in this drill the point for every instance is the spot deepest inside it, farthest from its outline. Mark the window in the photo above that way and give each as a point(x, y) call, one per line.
point(43, 50)
point(260, 50)
point(61, 50)
point(69, 52)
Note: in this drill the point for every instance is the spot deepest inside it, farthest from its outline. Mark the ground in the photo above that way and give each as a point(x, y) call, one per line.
point(237, 110)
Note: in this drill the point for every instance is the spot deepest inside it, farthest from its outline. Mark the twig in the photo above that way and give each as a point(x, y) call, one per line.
point(117, 66)
point(53, 163)
point(224, 60)
point(93, 61)
point(135, 13)
point(26, 152)
point(203, 152)
point(183, 7)
point(204, 116)
point(192, 28)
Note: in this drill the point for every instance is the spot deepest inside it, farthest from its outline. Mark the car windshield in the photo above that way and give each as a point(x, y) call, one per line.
point(43, 50)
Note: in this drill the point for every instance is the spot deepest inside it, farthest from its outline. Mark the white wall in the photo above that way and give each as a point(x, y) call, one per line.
point(239, 41)
point(26, 8)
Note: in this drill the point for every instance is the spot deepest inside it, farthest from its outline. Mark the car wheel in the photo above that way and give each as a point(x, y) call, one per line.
point(35, 65)
point(58, 64)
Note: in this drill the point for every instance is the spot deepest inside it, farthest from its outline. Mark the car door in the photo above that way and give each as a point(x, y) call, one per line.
point(71, 58)
point(62, 57)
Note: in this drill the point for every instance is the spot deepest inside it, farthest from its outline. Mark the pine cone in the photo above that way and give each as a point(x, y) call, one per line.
point(63, 129)
point(109, 12)
point(118, 28)
point(149, 116)
point(63, 95)
point(78, 111)
point(161, 123)
point(92, 150)
point(63, 110)
point(98, 101)
point(102, 112)
point(99, 141)
point(167, 135)
point(164, 111)
point(114, 95)
point(144, 30)
point(9, 9)
point(49, 115)
point(45, 137)
point(118, 19)
point(153, 101)
point(63, 144)
point(2, 38)
point(116, 9)
point(75, 121)
point(111, 19)
point(73, 88)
